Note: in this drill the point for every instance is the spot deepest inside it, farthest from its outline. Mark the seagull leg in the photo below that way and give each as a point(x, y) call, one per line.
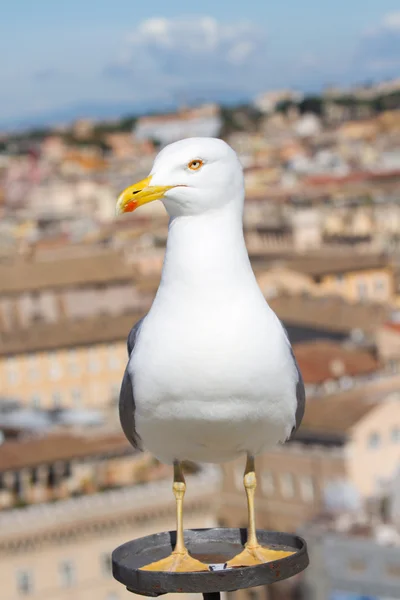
point(253, 553)
point(179, 561)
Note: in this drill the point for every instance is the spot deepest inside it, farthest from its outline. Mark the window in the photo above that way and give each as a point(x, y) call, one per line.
point(24, 582)
point(54, 366)
point(12, 371)
point(33, 368)
point(76, 397)
point(267, 483)
point(380, 284)
point(67, 573)
point(307, 488)
point(73, 365)
point(287, 485)
point(106, 563)
point(395, 435)
point(35, 400)
point(94, 363)
point(57, 399)
point(35, 476)
point(362, 290)
point(374, 440)
point(113, 360)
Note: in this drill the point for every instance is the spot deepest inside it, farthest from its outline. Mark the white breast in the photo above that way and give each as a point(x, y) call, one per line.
point(212, 380)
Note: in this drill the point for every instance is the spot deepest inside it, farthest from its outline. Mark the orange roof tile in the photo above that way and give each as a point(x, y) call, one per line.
point(322, 360)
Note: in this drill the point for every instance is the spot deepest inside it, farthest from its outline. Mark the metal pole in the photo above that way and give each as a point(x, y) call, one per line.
point(212, 596)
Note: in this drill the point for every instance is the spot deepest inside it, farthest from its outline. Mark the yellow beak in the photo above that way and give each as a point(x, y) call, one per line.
point(138, 194)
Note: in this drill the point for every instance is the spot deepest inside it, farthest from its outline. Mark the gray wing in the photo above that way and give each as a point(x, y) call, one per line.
point(300, 390)
point(126, 397)
point(300, 395)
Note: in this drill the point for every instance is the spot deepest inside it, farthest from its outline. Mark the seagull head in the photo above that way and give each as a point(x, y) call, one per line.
point(190, 177)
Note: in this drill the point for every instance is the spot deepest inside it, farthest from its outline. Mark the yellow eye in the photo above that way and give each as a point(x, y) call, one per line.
point(195, 165)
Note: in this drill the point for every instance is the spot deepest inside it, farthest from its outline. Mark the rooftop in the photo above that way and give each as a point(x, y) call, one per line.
point(67, 334)
point(322, 360)
point(329, 312)
point(318, 266)
point(22, 275)
point(54, 447)
point(336, 414)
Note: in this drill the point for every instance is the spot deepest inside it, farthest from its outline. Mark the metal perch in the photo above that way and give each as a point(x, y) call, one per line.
point(215, 547)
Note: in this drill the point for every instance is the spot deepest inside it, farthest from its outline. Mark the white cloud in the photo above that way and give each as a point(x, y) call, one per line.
point(162, 55)
point(378, 51)
point(392, 21)
point(240, 53)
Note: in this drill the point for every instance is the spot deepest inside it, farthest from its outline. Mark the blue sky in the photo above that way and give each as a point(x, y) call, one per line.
point(122, 53)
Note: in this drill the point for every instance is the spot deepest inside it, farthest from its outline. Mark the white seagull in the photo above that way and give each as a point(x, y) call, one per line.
point(211, 374)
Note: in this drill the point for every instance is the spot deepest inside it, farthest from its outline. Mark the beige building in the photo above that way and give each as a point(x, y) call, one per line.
point(356, 278)
point(64, 321)
point(350, 436)
point(290, 486)
point(59, 286)
point(63, 549)
point(66, 364)
point(353, 277)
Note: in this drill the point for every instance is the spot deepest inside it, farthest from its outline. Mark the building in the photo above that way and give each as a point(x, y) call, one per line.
point(351, 436)
point(67, 364)
point(64, 322)
point(324, 363)
point(309, 317)
point(267, 102)
point(388, 343)
point(204, 121)
point(290, 487)
point(352, 557)
point(365, 422)
point(54, 465)
point(60, 286)
point(63, 548)
point(356, 278)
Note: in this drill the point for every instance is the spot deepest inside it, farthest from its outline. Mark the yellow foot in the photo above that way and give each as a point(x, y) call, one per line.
point(256, 555)
point(177, 563)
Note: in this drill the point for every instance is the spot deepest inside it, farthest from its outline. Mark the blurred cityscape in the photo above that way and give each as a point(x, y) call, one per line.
point(322, 224)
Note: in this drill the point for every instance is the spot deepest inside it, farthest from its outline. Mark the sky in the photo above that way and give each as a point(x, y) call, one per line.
point(60, 59)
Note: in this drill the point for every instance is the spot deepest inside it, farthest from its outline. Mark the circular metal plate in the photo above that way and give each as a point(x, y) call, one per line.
point(212, 546)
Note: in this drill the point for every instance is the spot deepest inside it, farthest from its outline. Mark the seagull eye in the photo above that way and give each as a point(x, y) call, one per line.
point(195, 165)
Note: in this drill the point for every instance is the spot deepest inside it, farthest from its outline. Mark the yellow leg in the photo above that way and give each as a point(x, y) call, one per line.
point(179, 561)
point(253, 553)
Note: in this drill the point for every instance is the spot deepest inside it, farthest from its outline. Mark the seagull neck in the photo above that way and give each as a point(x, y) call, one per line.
point(206, 248)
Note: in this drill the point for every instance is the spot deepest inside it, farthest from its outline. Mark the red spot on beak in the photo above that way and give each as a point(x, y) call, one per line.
point(130, 206)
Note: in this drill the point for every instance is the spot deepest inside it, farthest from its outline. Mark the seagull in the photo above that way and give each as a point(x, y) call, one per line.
point(211, 374)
